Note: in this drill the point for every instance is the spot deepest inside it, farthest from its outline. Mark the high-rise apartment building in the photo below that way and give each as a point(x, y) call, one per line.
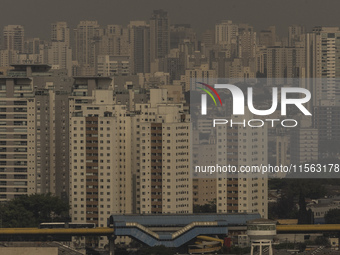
point(282, 147)
point(159, 35)
point(323, 61)
point(108, 42)
point(8, 57)
point(208, 40)
point(226, 32)
point(179, 33)
point(326, 120)
point(139, 47)
point(164, 183)
point(204, 189)
point(32, 45)
point(296, 34)
point(126, 161)
point(86, 36)
point(268, 37)
point(113, 40)
point(34, 132)
point(323, 64)
point(60, 32)
point(113, 65)
point(100, 166)
point(236, 146)
point(285, 62)
point(13, 38)
point(202, 73)
point(246, 43)
point(59, 55)
point(242, 146)
point(304, 145)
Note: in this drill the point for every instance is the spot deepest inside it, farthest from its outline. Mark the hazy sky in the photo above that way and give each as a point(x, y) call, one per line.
point(37, 15)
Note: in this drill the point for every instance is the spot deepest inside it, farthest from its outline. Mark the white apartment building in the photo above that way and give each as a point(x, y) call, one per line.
point(242, 146)
point(322, 59)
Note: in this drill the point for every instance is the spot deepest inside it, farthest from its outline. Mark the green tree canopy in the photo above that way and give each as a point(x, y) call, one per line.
point(157, 250)
point(207, 208)
point(295, 191)
point(30, 211)
point(333, 216)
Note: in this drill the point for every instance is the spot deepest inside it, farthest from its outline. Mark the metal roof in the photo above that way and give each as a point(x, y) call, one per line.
point(153, 229)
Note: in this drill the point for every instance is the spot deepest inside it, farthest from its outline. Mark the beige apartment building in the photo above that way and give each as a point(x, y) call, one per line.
point(13, 38)
point(100, 162)
point(125, 160)
point(236, 146)
point(33, 131)
point(165, 185)
point(60, 32)
point(322, 59)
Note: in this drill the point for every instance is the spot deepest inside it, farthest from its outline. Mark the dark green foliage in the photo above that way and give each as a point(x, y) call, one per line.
point(321, 240)
point(295, 191)
point(235, 250)
point(207, 208)
point(312, 188)
point(333, 216)
point(304, 216)
point(157, 250)
point(30, 211)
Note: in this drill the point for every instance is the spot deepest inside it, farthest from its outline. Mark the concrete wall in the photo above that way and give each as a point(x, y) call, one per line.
point(29, 250)
point(296, 238)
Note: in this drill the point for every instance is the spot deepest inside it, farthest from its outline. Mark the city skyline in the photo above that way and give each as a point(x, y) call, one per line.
point(101, 105)
point(200, 14)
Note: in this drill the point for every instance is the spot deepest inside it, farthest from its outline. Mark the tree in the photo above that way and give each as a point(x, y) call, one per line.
point(321, 240)
point(30, 211)
point(293, 191)
point(286, 208)
point(157, 250)
point(304, 216)
point(333, 216)
point(207, 208)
